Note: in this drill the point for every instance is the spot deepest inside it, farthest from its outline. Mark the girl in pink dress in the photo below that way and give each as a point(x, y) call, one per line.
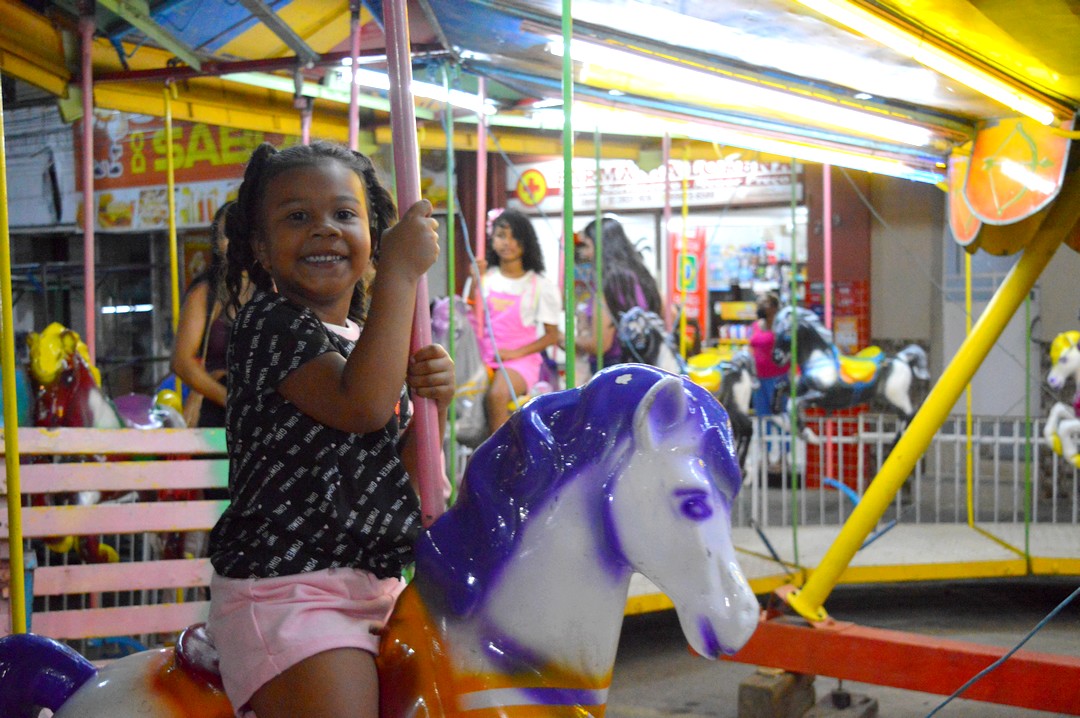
point(522, 315)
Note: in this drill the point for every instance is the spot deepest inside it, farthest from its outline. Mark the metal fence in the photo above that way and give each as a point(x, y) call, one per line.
point(1012, 473)
point(1013, 478)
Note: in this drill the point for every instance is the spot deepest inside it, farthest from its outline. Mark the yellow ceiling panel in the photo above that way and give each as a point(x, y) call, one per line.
point(321, 23)
point(31, 48)
point(1038, 48)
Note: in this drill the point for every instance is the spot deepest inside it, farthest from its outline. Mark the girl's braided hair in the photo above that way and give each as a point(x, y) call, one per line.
point(243, 221)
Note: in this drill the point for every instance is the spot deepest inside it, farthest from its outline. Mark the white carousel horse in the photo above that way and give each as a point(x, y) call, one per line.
point(830, 380)
point(1062, 428)
point(521, 586)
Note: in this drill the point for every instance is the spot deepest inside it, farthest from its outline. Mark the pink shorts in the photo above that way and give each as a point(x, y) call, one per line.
point(263, 626)
point(527, 366)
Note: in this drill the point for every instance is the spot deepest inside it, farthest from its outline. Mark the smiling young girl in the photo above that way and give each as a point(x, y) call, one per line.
point(309, 554)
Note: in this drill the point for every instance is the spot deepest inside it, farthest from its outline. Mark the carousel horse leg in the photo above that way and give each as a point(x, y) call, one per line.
point(1059, 413)
point(1069, 430)
point(896, 388)
point(807, 398)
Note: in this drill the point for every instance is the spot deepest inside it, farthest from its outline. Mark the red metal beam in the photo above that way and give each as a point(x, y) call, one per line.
point(1039, 681)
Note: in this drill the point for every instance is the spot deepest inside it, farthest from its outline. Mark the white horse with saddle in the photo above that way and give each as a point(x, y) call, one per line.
point(1062, 428)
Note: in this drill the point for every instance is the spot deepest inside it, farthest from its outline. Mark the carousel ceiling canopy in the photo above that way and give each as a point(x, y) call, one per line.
point(889, 86)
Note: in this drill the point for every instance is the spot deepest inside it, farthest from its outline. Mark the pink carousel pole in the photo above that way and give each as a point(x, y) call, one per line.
point(354, 89)
point(305, 124)
point(86, 32)
point(407, 174)
point(665, 222)
point(481, 193)
point(826, 231)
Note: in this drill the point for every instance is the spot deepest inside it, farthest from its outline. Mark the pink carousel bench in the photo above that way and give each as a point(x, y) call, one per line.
point(137, 464)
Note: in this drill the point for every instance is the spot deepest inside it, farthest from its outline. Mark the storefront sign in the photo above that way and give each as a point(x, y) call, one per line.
point(131, 159)
point(689, 273)
point(538, 186)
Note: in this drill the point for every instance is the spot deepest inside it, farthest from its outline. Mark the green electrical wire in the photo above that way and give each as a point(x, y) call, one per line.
point(1027, 430)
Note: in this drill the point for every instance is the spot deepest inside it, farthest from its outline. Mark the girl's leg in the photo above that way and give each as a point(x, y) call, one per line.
point(334, 683)
point(499, 396)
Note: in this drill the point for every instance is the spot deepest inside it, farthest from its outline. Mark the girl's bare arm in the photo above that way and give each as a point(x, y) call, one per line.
point(186, 359)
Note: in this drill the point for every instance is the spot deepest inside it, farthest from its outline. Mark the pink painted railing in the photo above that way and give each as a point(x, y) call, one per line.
point(73, 598)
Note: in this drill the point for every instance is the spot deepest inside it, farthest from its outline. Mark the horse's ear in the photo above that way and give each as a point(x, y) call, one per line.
point(69, 340)
point(661, 411)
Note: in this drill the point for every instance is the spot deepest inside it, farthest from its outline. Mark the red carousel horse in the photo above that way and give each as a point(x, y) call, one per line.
point(67, 393)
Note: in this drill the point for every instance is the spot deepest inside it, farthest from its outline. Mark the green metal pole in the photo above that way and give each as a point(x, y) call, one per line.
point(969, 420)
point(1059, 221)
point(568, 192)
point(793, 378)
point(598, 260)
point(1027, 429)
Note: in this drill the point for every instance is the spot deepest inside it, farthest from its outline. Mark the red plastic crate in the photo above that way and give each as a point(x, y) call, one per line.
point(845, 457)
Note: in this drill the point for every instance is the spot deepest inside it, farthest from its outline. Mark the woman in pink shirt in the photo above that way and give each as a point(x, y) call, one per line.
point(762, 341)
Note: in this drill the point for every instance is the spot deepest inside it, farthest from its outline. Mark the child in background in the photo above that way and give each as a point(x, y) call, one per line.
point(627, 284)
point(762, 343)
point(308, 557)
point(524, 309)
point(202, 334)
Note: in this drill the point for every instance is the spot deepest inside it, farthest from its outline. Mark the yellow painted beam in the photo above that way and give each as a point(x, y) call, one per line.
point(1055, 566)
point(647, 603)
point(1060, 220)
point(517, 141)
point(31, 48)
point(948, 571)
point(243, 108)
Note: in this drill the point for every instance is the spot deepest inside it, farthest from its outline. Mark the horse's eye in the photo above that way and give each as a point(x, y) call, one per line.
point(695, 505)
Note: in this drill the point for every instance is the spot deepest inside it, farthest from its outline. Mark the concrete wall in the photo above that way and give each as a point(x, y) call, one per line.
point(1059, 296)
point(906, 230)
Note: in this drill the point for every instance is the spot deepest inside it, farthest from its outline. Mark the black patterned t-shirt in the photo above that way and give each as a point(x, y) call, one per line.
point(305, 496)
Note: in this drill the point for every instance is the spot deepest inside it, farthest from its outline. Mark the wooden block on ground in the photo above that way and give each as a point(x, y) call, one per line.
point(773, 693)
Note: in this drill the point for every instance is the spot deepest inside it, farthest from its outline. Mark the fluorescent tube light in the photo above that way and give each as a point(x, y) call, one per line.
point(127, 308)
point(936, 58)
point(381, 81)
point(611, 66)
point(618, 121)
